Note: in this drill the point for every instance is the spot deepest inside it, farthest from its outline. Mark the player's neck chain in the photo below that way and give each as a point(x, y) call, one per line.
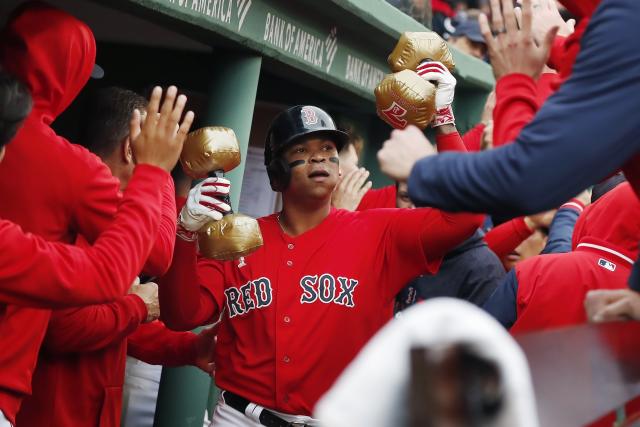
point(280, 223)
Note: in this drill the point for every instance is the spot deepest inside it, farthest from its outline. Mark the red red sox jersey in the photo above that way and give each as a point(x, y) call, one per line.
point(299, 309)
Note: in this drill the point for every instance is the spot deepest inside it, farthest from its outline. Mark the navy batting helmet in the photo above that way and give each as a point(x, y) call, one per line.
point(287, 129)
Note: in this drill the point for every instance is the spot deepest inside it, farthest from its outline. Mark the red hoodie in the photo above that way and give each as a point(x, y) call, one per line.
point(551, 288)
point(51, 187)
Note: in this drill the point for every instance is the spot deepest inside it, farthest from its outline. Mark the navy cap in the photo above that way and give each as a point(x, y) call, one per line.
point(469, 28)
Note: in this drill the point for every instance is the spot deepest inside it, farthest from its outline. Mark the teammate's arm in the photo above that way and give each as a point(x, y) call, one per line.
point(191, 293)
point(160, 256)
point(581, 113)
point(94, 327)
point(37, 273)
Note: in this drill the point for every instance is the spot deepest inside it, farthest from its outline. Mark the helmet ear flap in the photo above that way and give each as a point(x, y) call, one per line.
point(279, 174)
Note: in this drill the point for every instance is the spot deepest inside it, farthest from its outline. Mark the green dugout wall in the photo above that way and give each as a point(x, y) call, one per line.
point(231, 54)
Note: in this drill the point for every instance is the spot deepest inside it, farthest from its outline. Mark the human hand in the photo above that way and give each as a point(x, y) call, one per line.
point(204, 204)
point(402, 150)
point(158, 139)
point(445, 90)
point(206, 346)
point(608, 305)
point(541, 220)
point(546, 16)
point(351, 189)
point(148, 292)
point(584, 197)
point(514, 50)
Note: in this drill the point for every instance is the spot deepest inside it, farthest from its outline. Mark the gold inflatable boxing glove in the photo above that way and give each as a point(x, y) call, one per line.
point(413, 48)
point(212, 151)
point(405, 98)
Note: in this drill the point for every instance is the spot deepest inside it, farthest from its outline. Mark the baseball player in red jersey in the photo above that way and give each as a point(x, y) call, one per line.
point(297, 310)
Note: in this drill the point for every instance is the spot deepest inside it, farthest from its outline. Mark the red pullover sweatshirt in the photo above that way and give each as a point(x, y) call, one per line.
point(37, 273)
point(51, 187)
point(552, 288)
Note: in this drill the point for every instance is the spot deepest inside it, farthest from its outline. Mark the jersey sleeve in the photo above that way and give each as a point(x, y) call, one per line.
point(155, 344)
point(378, 198)
point(473, 138)
point(191, 293)
point(94, 327)
point(450, 142)
point(37, 273)
point(504, 238)
point(502, 304)
point(160, 256)
point(551, 151)
point(416, 240)
point(516, 105)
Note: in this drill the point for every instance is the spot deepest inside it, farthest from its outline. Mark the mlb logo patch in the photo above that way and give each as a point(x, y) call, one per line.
point(606, 264)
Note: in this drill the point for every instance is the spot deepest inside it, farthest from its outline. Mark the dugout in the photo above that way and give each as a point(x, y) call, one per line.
point(240, 62)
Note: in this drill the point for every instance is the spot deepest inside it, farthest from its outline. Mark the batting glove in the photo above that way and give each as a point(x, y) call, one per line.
point(204, 204)
point(436, 72)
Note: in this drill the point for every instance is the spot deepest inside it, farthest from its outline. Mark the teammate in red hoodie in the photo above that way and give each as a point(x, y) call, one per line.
point(36, 273)
point(57, 190)
point(548, 291)
point(85, 348)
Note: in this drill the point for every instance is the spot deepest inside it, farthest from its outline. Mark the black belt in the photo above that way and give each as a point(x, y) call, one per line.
point(267, 418)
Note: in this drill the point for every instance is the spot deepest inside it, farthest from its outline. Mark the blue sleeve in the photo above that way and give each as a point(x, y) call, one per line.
point(561, 231)
point(502, 302)
point(582, 133)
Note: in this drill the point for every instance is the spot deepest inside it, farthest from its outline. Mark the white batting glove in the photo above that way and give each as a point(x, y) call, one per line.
point(436, 72)
point(203, 205)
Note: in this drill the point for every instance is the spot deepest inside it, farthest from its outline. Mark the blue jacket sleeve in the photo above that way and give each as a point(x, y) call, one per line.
point(580, 135)
point(561, 231)
point(502, 302)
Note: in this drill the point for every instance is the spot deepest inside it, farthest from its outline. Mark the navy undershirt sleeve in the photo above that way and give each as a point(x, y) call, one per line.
point(561, 231)
point(502, 302)
point(584, 132)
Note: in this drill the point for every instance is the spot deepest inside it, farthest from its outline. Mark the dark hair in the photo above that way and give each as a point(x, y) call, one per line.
point(15, 106)
point(106, 122)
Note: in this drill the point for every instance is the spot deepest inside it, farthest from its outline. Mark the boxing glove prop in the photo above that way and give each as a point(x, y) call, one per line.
point(213, 151)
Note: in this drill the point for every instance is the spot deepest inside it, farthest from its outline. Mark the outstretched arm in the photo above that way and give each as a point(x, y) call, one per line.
point(576, 139)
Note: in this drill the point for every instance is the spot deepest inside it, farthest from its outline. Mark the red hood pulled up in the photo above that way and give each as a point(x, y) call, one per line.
point(52, 52)
point(613, 220)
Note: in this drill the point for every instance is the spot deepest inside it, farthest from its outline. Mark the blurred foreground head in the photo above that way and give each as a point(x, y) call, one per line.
point(443, 362)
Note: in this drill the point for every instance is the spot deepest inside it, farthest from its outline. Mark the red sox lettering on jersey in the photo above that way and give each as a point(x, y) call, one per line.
point(300, 308)
point(257, 294)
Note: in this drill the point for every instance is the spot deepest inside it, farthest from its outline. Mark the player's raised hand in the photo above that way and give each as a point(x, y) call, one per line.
point(513, 49)
point(402, 150)
point(351, 189)
point(545, 15)
point(158, 139)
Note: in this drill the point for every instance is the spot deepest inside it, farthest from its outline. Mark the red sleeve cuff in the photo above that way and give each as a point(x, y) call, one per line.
point(515, 82)
point(137, 307)
point(450, 142)
point(521, 228)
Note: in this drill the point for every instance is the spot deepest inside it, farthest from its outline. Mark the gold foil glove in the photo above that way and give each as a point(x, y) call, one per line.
point(210, 149)
point(405, 98)
point(413, 48)
point(234, 236)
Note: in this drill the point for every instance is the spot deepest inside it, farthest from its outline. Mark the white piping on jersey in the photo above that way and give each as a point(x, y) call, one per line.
point(573, 205)
point(602, 248)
